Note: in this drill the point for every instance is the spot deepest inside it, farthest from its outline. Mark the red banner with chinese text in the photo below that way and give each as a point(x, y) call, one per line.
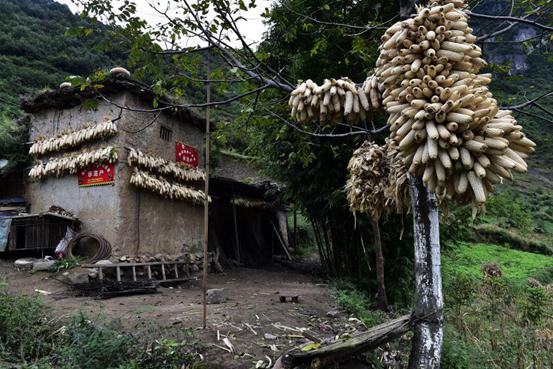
point(187, 155)
point(97, 175)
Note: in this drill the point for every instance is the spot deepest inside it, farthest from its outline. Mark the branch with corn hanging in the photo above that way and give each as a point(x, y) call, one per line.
point(443, 118)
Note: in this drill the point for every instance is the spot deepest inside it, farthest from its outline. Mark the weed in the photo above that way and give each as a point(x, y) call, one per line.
point(355, 302)
point(66, 264)
point(28, 337)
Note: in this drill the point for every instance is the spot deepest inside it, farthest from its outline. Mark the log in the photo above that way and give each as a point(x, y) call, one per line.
point(343, 350)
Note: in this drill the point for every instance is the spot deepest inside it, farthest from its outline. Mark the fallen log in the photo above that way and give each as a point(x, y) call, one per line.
point(345, 349)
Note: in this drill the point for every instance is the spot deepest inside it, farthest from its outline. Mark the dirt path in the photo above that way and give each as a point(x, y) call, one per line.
point(251, 298)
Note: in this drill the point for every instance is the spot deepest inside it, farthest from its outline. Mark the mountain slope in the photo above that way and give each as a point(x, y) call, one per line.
point(35, 51)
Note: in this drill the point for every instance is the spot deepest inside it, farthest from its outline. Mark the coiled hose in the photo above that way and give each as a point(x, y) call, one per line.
point(89, 247)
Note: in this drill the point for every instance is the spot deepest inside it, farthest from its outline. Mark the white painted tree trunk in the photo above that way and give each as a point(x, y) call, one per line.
point(427, 342)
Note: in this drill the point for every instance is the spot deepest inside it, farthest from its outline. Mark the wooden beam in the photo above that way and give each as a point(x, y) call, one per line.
point(343, 350)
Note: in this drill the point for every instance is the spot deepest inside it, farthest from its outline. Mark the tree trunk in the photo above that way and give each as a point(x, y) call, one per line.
point(382, 300)
point(427, 342)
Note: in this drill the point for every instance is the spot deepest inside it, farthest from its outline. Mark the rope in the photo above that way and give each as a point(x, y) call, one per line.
point(103, 251)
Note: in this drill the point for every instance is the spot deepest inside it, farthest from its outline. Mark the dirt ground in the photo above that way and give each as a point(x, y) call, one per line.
point(253, 319)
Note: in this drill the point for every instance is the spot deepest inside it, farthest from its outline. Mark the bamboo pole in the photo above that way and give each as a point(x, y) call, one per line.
point(206, 204)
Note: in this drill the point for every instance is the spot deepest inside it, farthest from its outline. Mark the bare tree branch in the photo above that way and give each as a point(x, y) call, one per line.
point(524, 20)
point(363, 29)
point(170, 105)
point(533, 115)
point(528, 102)
point(358, 131)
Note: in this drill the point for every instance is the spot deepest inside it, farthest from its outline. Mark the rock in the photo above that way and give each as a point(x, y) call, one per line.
point(65, 85)
point(123, 259)
point(215, 296)
point(333, 314)
point(25, 263)
point(92, 273)
point(159, 257)
point(78, 276)
point(103, 262)
point(43, 265)
point(270, 337)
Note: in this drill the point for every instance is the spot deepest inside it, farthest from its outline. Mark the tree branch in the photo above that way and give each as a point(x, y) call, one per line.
point(170, 105)
point(528, 102)
point(512, 19)
point(359, 131)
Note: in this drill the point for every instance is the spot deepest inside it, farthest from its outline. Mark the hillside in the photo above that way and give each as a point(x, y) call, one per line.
point(35, 51)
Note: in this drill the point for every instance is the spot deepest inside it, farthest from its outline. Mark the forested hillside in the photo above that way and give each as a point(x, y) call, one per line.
point(35, 51)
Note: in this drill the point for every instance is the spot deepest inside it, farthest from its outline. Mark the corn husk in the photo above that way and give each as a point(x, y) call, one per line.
point(70, 164)
point(71, 139)
point(166, 168)
point(165, 188)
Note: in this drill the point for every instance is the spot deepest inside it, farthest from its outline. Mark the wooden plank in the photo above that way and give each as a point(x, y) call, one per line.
point(345, 349)
point(149, 267)
point(284, 247)
point(134, 273)
point(126, 265)
point(176, 271)
point(101, 273)
point(118, 271)
point(163, 271)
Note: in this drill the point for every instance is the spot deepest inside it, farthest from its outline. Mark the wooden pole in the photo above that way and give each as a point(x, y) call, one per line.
point(206, 203)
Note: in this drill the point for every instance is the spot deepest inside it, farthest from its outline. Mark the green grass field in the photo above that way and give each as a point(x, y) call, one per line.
point(515, 265)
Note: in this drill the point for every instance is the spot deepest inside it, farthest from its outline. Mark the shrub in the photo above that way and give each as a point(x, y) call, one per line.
point(27, 336)
point(25, 333)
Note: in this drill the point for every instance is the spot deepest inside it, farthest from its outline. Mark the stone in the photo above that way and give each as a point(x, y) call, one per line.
point(215, 296)
point(270, 337)
point(43, 265)
point(78, 276)
point(25, 263)
point(333, 314)
point(103, 262)
point(92, 273)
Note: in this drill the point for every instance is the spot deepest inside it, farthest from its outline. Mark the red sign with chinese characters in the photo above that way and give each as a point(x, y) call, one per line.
point(97, 175)
point(187, 155)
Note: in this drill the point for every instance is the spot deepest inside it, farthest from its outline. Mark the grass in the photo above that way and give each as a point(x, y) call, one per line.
point(515, 265)
point(30, 338)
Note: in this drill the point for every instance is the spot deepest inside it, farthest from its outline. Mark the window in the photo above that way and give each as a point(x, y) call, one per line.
point(165, 133)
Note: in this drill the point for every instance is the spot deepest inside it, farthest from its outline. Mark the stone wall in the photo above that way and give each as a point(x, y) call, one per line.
point(97, 207)
point(151, 224)
point(136, 222)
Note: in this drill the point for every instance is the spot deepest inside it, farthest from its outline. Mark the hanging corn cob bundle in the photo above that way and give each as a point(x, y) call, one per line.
point(164, 167)
point(448, 126)
point(165, 188)
point(72, 139)
point(71, 164)
point(367, 183)
point(334, 101)
point(397, 194)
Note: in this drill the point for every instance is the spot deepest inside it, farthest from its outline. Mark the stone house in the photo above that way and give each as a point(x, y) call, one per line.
point(121, 180)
